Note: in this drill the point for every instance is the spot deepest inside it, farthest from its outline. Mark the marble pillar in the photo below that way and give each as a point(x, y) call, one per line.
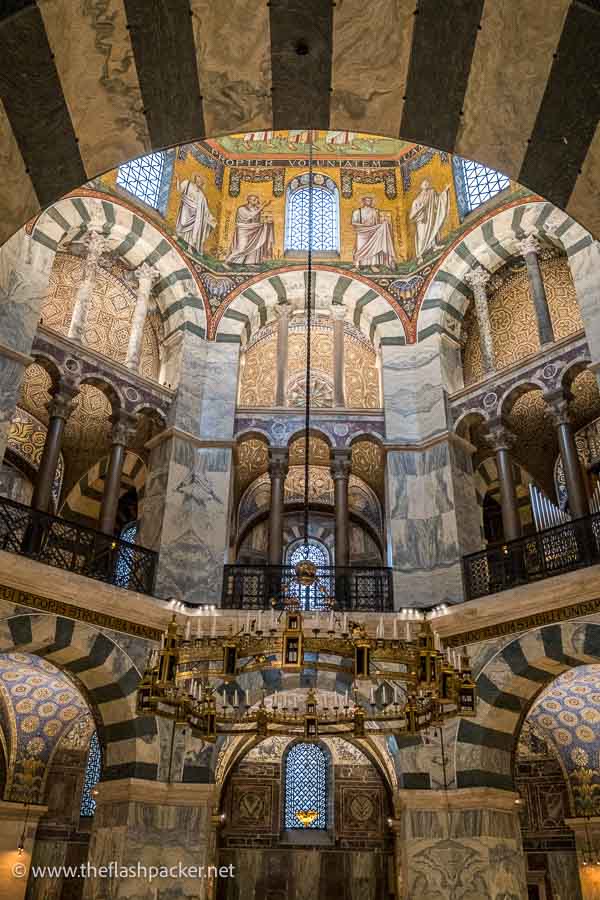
point(478, 280)
point(25, 267)
point(587, 842)
point(153, 826)
point(579, 504)
point(500, 440)
point(146, 276)
point(123, 426)
point(529, 247)
point(16, 822)
point(96, 245)
point(283, 324)
point(432, 509)
point(278, 469)
point(339, 313)
point(460, 843)
point(189, 485)
point(341, 464)
point(583, 255)
point(59, 409)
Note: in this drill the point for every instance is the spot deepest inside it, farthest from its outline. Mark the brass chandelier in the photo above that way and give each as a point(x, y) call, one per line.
point(194, 681)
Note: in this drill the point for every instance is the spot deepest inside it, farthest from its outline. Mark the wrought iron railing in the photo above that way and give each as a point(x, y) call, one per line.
point(571, 545)
point(75, 548)
point(350, 588)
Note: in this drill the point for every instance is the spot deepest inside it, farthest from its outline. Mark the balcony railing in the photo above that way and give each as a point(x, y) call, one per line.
point(75, 548)
point(563, 548)
point(351, 588)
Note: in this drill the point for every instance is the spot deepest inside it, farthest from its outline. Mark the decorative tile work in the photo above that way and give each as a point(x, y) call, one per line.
point(258, 375)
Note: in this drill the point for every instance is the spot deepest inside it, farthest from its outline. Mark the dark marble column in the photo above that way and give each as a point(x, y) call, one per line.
point(530, 248)
point(60, 408)
point(338, 312)
point(123, 425)
point(282, 353)
point(341, 463)
point(278, 469)
point(579, 505)
point(501, 439)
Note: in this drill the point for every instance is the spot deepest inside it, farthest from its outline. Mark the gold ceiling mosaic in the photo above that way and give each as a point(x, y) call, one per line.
point(108, 322)
point(536, 445)
point(252, 459)
point(512, 316)
point(368, 462)
point(87, 432)
point(318, 451)
point(35, 392)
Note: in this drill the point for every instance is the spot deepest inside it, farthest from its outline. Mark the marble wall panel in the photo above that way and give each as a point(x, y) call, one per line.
point(416, 380)
point(185, 517)
point(563, 873)
point(584, 265)
point(434, 521)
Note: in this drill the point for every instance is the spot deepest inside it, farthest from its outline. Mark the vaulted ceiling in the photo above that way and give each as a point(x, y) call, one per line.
point(512, 84)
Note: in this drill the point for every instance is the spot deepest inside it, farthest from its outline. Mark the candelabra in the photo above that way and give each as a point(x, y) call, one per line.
point(397, 685)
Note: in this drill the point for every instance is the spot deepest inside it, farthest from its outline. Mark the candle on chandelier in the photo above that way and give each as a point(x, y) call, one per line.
point(407, 632)
point(345, 623)
point(380, 629)
point(188, 628)
point(272, 618)
point(373, 695)
point(213, 626)
point(236, 699)
point(199, 627)
point(259, 621)
point(395, 629)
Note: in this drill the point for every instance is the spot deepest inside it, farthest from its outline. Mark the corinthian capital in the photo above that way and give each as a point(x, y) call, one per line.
point(278, 462)
point(341, 464)
point(96, 244)
point(557, 403)
point(123, 427)
point(529, 244)
point(499, 437)
point(477, 279)
point(146, 274)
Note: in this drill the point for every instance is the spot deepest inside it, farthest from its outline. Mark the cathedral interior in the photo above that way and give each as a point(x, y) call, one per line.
point(300, 450)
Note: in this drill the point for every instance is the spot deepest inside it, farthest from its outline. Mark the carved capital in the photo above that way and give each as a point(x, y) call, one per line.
point(278, 462)
point(123, 427)
point(97, 245)
point(557, 403)
point(62, 403)
point(477, 280)
point(338, 312)
point(529, 244)
point(499, 437)
point(341, 464)
point(146, 276)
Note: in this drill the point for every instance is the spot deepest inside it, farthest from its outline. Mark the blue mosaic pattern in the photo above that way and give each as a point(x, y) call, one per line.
point(124, 560)
point(93, 770)
point(475, 184)
point(306, 785)
point(143, 177)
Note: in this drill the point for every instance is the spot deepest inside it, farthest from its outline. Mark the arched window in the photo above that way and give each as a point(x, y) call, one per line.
point(93, 769)
point(475, 184)
point(144, 178)
point(326, 226)
point(306, 787)
point(313, 596)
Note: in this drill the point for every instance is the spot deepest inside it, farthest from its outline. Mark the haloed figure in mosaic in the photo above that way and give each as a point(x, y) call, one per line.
point(374, 240)
point(253, 237)
point(428, 213)
point(195, 221)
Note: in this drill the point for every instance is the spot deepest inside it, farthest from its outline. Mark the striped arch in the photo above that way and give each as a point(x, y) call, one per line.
point(368, 307)
point(85, 497)
point(136, 240)
point(487, 482)
point(130, 742)
point(490, 245)
point(506, 688)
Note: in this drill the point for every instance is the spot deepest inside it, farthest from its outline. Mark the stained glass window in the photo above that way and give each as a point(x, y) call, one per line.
point(306, 787)
point(93, 769)
point(143, 177)
point(325, 219)
point(315, 595)
point(124, 560)
point(476, 183)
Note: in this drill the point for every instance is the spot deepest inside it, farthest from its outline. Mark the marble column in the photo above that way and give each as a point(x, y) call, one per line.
point(17, 823)
point(587, 843)
point(501, 440)
point(146, 276)
point(579, 504)
point(433, 517)
point(153, 824)
point(123, 426)
point(283, 324)
point(341, 463)
point(186, 512)
point(478, 279)
point(59, 408)
point(529, 247)
point(96, 245)
point(464, 842)
point(12, 369)
point(278, 469)
point(339, 313)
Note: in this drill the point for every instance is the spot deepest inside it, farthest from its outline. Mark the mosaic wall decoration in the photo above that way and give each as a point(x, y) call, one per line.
point(87, 432)
point(251, 460)
point(585, 407)
point(318, 451)
point(26, 438)
point(42, 704)
point(35, 392)
point(536, 446)
point(361, 375)
point(108, 322)
point(368, 462)
point(512, 314)
point(258, 371)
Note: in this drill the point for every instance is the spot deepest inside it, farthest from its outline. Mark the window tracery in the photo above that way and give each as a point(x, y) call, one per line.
point(306, 787)
point(143, 177)
point(476, 184)
point(325, 214)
